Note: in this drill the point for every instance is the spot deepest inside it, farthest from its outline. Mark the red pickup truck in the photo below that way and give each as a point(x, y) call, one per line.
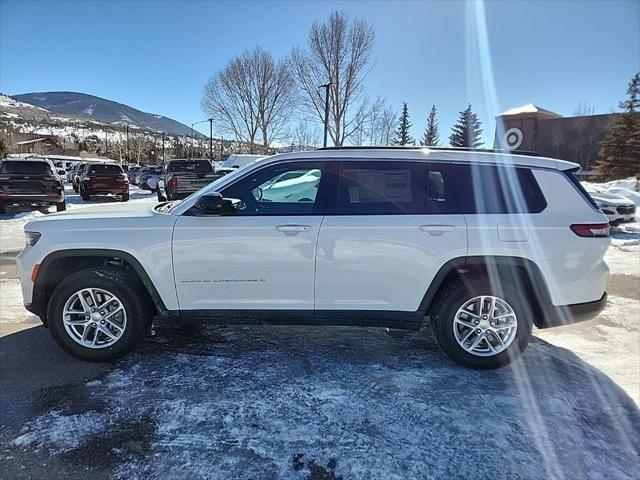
point(104, 179)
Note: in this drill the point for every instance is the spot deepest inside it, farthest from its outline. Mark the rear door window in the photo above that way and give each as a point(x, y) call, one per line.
point(381, 188)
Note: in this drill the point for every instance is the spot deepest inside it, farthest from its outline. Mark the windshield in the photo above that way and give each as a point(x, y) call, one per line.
point(106, 169)
point(186, 166)
point(26, 167)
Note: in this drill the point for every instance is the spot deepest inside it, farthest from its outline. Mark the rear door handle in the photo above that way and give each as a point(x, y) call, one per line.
point(437, 230)
point(293, 229)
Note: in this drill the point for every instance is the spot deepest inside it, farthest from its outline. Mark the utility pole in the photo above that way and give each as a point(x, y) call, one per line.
point(211, 139)
point(127, 156)
point(162, 147)
point(326, 110)
point(221, 147)
point(106, 143)
point(191, 143)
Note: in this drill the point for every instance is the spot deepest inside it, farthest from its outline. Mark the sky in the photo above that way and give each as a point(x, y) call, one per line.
point(157, 55)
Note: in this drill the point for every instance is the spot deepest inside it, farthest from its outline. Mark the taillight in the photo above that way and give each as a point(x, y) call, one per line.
point(173, 182)
point(591, 229)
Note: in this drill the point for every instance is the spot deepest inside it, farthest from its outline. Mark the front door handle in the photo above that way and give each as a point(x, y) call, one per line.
point(437, 230)
point(293, 229)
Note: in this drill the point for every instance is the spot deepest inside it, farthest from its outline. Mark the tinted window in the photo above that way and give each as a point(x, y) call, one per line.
point(287, 189)
point(495, 190)
point(380, 188)
point(184, 166)
point(572, 178)
point(26, 167)
point(106, 169)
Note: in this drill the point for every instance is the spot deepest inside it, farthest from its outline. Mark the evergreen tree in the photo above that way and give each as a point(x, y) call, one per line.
point(402, 136)
point(466, 132)
point(619, 154)
point(431, 135)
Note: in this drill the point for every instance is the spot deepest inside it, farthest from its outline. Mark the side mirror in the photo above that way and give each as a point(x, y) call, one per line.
point(214, 204)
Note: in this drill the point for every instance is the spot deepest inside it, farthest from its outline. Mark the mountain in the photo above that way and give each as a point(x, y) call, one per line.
point(90, 107)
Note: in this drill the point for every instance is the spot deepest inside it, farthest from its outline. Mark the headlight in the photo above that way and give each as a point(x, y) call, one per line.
point(32, 238)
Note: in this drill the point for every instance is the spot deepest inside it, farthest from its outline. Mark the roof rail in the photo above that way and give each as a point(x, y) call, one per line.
point(440, 149)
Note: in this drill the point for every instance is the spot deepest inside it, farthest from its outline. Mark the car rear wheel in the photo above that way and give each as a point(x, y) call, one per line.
point(61, 207)
point(84, 194)
point(99, 315)
point(480, 325)
point(124, 197)
point(161, 197)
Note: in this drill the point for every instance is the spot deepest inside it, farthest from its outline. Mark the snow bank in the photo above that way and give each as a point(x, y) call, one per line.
point(626, 187)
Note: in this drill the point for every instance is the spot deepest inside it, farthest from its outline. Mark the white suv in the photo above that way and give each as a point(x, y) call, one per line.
point(484, 244)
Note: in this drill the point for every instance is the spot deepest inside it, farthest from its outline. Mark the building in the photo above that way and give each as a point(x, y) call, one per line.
point(534, 129)
point(37, 145)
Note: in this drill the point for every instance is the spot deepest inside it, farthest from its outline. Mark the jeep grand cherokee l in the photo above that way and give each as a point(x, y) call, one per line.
point(30, 182)
point(104, 179)
point(484, 244)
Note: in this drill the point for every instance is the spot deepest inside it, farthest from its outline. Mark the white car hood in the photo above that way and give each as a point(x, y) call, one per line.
point(136, 209)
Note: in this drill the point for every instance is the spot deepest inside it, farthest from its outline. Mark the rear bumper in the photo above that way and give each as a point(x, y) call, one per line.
point(106, 190)
point(31, 198)
point(556, 316)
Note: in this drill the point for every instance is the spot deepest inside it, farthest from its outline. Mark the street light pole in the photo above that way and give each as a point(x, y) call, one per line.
point(326, 110)
point(127, 126)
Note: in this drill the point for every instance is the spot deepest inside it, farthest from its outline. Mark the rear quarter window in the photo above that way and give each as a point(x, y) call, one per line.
point(488, 189)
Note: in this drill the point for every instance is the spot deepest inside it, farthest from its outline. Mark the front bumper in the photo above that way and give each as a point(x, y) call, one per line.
point(556, 316)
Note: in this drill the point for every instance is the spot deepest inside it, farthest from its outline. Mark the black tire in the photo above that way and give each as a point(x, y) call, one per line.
point(453, 296)
point(3, 209)
point(61, 207)
point(135, 301)
point(75, 188)
point(161, 197)
point(84, 195)
point(124, 197)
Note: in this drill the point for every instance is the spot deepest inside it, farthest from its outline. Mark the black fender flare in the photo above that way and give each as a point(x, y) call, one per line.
point(469, 265)
point(39, 302)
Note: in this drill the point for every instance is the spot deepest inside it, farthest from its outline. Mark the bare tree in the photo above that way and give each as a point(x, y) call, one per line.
point(251, 95)
point(306, 135)
point(338, 52)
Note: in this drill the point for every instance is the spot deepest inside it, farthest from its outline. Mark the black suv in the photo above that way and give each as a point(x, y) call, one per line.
point(30, 182)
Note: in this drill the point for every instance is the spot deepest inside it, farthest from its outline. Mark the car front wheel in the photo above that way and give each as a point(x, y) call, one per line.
point(100, 314)
point(480, 325)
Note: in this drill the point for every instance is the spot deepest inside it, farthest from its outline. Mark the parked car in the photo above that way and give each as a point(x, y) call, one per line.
point(78, 172)
point(481, 245)
point(617, 208)
point(181, 177)
point(236, 161)
point(30, 182)
point(104, 179)
point(148, 179)
point(131, 174)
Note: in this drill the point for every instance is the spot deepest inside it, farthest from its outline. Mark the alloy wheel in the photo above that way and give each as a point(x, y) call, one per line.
point(94, 318)
point(485, 325)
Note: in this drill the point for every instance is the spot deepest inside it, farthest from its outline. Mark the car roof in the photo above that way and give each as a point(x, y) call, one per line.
point(452, 155)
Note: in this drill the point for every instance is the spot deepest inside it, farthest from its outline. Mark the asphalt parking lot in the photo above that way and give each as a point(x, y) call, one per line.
point(264, 402)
